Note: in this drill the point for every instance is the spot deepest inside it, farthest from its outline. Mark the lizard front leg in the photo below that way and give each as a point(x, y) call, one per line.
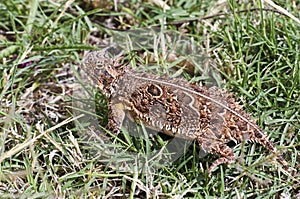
point(116, 115)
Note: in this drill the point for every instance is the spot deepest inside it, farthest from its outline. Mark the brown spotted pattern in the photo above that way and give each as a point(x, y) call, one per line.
point(175, 107)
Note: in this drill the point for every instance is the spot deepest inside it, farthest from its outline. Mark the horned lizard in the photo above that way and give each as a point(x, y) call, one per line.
point(175, 107)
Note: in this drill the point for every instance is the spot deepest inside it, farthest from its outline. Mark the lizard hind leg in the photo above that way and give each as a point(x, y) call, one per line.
point(218, 148)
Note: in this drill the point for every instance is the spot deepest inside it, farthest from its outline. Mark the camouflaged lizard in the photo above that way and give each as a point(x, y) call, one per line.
point(175, 107)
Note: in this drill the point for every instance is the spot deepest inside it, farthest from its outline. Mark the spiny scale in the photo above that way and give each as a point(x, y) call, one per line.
point(175, 107)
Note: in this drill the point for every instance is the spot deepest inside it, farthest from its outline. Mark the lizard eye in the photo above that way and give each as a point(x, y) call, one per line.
point(99, 64)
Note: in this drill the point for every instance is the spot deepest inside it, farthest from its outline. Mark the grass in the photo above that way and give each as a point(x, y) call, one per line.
point(45, 151)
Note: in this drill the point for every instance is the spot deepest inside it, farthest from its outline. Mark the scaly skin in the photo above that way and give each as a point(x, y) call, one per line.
point(174, 107)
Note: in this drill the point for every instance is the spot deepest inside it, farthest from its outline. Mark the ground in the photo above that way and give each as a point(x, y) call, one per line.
point(47, 151)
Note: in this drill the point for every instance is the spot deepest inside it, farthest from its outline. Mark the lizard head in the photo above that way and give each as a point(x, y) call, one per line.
point(101, 67)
